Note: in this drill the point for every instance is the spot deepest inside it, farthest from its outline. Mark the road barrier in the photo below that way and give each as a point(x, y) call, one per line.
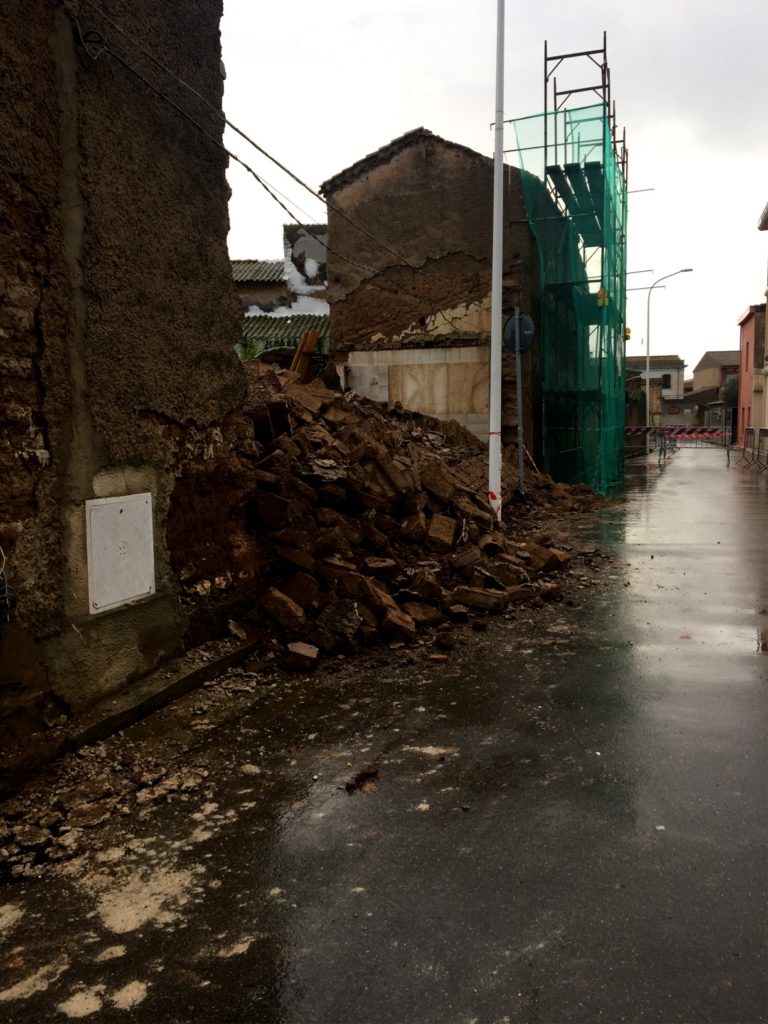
point(755, 450)
point(677, 430)
point(667, 439)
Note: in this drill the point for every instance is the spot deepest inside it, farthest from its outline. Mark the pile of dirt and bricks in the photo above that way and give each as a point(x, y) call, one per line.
point(376, 525)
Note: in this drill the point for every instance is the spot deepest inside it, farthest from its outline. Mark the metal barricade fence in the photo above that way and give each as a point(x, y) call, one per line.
point(755, 450)
point(748, 456)
point(762, 449)
point(670, 438)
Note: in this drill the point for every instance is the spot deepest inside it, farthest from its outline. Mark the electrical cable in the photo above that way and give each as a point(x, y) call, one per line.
point(93, 39)
point(7, 595)
point(220, 114)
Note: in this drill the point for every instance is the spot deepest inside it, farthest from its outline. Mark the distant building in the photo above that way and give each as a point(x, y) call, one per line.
point(668, 370)
point(715, 368)
point(261, 283)
point(710, 375)
point(667, 375)
point(291, 290)
point(752, 371)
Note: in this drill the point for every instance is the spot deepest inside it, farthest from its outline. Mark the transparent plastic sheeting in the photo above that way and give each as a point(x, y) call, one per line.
point(576, 201)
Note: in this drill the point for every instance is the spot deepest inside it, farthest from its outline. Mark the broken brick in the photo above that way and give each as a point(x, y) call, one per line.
point(283, 609)
point(414, 528)
point(441, 534)
point(381, 568)
point(426, 585)
point(458, 613)
point(486, 600)
point(398, 625)
point(300, 656)
point(423, 614)
point(437, 479)
point(492, 544)
point(466, 558)
point(303, 589)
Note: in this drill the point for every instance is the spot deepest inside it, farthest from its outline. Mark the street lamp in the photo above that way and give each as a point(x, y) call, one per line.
point(685, 270)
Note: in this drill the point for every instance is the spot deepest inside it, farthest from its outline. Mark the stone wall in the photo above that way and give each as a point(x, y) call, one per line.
point(117, 323)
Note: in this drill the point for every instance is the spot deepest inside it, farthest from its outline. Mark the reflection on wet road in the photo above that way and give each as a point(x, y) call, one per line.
point(567, 828)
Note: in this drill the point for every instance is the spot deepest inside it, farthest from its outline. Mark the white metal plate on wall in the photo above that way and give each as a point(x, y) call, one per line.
point(121, 555)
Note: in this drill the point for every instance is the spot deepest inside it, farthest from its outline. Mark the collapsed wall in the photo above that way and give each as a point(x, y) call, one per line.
point(117, 325)
point(345, 521)
point(411, 317)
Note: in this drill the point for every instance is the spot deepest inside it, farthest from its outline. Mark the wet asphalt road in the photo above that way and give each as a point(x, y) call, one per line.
point(566, 829)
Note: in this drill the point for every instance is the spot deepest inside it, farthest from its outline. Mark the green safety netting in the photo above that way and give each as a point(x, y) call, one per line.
point(576, 200)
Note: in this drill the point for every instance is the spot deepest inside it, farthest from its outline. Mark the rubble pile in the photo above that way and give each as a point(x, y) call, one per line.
point(375, 524)
point(53, 821)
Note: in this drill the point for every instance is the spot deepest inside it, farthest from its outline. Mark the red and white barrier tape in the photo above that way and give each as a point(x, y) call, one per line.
point(677, 431)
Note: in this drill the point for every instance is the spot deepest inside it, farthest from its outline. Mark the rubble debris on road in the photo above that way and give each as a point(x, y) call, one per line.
point(375, 539)
point(373, 525)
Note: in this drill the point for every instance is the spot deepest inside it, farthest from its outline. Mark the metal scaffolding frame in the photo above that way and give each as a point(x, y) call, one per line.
point(575, 164)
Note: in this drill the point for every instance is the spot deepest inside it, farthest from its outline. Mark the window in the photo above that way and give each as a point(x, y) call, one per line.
point(666, 380)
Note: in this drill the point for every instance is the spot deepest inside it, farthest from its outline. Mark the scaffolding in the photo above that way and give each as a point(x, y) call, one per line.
point(574, 173)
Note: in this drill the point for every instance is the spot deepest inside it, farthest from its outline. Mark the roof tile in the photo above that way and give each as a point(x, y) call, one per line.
point(261, 333)
point(258, 271)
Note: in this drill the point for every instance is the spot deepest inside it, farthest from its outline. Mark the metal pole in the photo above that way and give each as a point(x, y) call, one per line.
point(494, 428)
point(520, 432)
point(685, 270)
point(648, 368)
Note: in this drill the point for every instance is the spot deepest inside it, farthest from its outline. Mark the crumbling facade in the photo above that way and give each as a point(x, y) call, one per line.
point(112, 204)
point(410, 293)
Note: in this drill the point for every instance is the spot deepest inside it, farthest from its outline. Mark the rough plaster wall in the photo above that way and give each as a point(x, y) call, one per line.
point(117, 322)
point(433, 204)
point(33, 361)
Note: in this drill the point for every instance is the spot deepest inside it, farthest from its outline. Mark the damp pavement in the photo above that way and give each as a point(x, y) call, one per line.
point(565, 822)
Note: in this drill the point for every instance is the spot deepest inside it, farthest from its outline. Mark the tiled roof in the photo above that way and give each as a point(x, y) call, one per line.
point(657, 362)
point(261, 333)
point(729, 357)
point(385, 154)
point(258, 271)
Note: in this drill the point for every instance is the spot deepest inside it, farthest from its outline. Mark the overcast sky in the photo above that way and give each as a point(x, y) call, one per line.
point(321, 84)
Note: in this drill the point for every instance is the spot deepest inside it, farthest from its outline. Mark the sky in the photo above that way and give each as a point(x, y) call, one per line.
point(320, 85)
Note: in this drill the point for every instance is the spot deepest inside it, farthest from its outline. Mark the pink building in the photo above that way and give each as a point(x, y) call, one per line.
point(751, 355)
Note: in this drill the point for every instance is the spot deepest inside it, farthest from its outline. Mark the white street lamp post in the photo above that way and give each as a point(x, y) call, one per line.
point(685, 270)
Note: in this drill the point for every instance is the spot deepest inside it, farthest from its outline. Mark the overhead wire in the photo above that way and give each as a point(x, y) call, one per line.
point(96, 46)
point(220, 114)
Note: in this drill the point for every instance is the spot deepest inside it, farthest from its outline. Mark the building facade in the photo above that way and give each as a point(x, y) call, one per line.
point(752, 370)
point(669, 371)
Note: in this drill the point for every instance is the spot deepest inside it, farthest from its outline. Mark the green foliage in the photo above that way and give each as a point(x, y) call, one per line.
point(730, 393)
